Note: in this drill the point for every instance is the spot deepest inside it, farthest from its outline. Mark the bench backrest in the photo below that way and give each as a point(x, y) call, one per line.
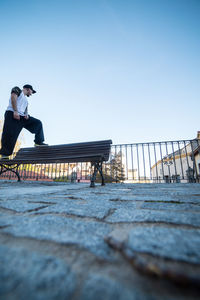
point(79, 152)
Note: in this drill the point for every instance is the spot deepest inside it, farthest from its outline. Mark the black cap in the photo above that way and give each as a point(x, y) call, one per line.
point(28, 86)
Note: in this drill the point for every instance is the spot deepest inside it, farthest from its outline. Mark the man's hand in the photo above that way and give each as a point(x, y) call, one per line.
point(16, 115)
point(26, 117)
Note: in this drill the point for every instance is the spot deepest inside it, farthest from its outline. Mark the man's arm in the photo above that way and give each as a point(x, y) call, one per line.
point(26, 113)
point(14, 105)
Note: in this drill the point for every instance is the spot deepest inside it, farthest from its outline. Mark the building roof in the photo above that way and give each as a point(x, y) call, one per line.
point(197, 150)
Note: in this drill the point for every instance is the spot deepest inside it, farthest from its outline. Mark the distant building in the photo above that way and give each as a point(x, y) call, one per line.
point(182, 164)
point(197, 161)
point(132, 176)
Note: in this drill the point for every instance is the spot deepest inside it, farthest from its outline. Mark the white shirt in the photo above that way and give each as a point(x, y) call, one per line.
point(22, 104)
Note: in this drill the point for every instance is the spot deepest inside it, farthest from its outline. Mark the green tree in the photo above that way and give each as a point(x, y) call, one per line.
point(113, 170)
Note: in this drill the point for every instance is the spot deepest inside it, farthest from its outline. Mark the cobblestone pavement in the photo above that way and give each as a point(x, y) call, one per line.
point(117, 242)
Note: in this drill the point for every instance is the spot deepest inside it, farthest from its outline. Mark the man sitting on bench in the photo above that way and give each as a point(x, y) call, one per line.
point(17, 118)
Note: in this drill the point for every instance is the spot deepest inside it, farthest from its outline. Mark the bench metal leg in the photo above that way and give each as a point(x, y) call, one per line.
point(97, 167)
point(11, 168)
point(101, 173)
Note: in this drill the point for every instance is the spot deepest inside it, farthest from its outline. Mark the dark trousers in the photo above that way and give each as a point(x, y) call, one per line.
point(12, 129)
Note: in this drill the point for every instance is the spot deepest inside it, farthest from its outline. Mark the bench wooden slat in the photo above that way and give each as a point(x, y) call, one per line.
point(104, 154)
point(84, 144)
point(50, 150)
point(74, 158)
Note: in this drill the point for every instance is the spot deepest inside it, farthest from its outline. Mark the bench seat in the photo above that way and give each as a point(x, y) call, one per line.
point(94, 152)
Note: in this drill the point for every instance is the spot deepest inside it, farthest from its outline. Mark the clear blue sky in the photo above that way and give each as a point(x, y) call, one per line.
point(128, 70)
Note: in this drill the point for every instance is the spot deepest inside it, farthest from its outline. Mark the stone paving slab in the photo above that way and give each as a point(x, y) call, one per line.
point(62, 230)
point(170, 206)
point(21, 205)
point(97, 209)
point(148, 215)
point(38, 273)
point(94, 288)
point(120, 241)
point(173, 243)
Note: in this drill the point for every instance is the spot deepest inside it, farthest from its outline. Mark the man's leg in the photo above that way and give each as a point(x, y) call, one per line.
point(11, 131)
point(35, 126)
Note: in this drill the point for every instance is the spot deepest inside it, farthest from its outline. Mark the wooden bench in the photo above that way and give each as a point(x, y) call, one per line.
point(94, 152)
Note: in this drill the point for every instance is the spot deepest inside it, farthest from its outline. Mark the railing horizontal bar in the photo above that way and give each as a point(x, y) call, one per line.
point(152, 143)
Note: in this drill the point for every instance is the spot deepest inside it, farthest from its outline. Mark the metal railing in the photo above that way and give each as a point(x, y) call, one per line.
point(153, 162)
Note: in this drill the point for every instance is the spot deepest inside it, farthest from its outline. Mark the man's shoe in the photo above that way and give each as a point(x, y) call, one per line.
point(2, 156)
point(41, 144)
